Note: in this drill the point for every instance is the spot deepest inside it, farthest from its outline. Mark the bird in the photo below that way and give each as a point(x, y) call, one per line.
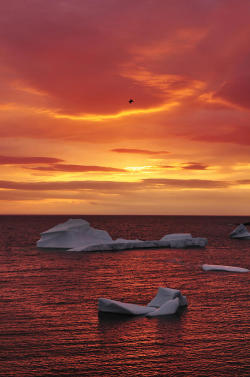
point(131, 100)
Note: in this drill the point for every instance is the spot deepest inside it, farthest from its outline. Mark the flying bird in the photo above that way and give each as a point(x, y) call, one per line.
point(131, 100)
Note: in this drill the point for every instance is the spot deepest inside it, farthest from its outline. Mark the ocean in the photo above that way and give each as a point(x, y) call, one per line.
point(49, 323)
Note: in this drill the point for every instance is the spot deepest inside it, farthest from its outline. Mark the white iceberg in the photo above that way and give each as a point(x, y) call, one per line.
point(166, 294)
point(166, 302)
point(240, 232)
point(112, 306)
point(78, 235)
point(183, 240)
point(72, 233)
point(170, 307)
point(217, 267)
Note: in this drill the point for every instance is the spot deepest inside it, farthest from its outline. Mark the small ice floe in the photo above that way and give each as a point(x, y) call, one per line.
point(217, 267)
point(166, 302)
point(240, 232)
point(78, 235)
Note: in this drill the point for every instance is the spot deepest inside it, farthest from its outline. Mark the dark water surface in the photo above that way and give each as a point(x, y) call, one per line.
point(49, 324)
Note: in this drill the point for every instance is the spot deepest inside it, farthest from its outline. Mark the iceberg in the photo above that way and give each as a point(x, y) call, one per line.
point(240, 232)
point(72, 233)
point(217, 267)
point(78, 235)
point(166, 302)
point(112, 306)
point(166, 294)
point(183, 240)
point(170, 307)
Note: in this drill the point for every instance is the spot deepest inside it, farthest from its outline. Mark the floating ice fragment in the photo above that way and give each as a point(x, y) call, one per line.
point(112, 306)
point(166, 294)
point(240, 232)
point(166, 302)
point(177, 236)
point(217, 267)
point(168, 308)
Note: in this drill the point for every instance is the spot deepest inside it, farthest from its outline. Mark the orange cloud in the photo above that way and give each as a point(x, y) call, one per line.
point(137, 151)
point(77, 168)
point(125, 113)
point(116, 186)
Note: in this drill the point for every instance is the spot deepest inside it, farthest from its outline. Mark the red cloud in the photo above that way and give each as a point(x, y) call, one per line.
point(236, 91)
point(187, 183)
point(71, 185)
point(94, 47)
point(16, 160)
point(195, 166)
point(137, 151)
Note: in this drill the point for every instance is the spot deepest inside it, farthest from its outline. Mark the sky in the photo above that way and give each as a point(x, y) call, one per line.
point(71, 143)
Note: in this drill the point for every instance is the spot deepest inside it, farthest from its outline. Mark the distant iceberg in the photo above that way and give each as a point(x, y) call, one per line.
point(217, 267)
point(166, 302)
point(72, 233)
point(240, 232)
point(78, 235)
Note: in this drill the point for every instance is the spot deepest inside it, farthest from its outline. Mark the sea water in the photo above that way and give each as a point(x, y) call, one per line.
point(49, 323)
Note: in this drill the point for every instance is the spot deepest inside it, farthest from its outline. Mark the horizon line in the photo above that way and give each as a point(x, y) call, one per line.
point(124, 214)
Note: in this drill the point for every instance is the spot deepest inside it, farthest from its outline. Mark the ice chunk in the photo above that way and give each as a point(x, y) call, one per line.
point(72, 233)
point(121, 244)
point(166, 294)
point(177, 236)
point(168, 308)
point(240, 232)
point(166, 302)
point(137, 244)
point(217, 267)
point(78, 235)
point(112, 306)
point(183, 240)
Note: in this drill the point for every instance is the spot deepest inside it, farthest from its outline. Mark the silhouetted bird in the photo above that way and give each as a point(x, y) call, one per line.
point(131, 100)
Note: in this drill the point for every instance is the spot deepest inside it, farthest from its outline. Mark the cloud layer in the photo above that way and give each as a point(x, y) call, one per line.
point(67, 71)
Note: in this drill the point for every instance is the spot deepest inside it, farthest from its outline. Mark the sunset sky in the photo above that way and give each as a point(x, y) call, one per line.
point(71, 143)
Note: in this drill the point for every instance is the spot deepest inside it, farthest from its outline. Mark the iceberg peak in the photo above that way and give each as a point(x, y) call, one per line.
point(240, 232)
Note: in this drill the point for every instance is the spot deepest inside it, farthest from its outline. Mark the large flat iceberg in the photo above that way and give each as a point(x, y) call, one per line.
point(217, 267)
point(240, 232)
point(166, 302)
point(78, 235)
